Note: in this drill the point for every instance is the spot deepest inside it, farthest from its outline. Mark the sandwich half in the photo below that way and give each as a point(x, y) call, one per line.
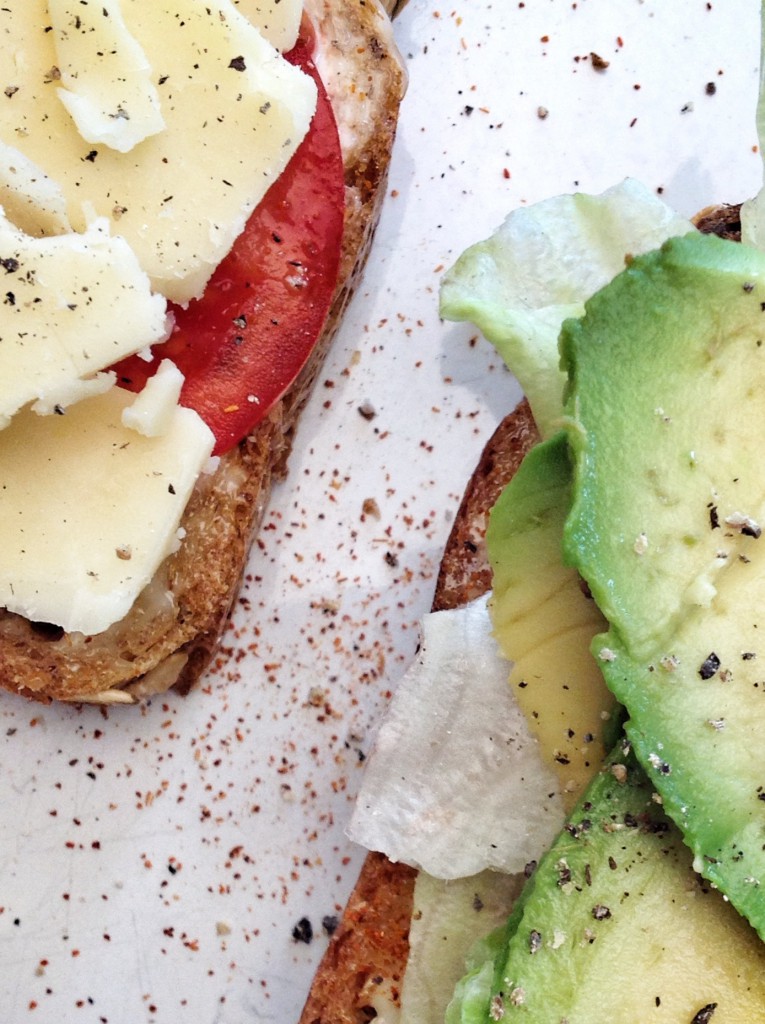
point(173, 628)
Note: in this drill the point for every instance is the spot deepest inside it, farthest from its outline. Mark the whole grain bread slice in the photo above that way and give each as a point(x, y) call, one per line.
point(172, 631)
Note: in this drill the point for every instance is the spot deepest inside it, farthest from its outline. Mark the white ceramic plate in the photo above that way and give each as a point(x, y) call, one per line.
point(156, 862)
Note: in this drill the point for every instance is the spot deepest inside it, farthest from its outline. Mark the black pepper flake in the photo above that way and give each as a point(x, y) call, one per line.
point(477, 903)
point(709, 666)
point(748, 287)
point(714, 518)
point(535, 941)
point(748, 656)
point(91, 156)
point(329, 923)
point(704, 1015)
point(303, 931)
point(598, 62)
point(710, 88)
point(600, 912)
point(564, 875)
point(10, 264)
point(529, 869)
point(238, 64)
point(170, 489)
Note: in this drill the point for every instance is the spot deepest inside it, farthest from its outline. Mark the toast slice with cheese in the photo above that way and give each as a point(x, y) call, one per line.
point(173, 629)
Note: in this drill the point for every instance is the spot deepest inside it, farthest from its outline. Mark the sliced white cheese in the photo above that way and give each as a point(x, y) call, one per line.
point(153, 410)
point(31, 201)
point(66, 392)
point(71, 305)
point(277, 20)
point(90, 508)
point(455, 782)
point(234, 109)
point(105, 74)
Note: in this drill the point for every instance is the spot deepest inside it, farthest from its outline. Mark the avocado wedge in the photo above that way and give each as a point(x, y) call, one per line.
point(665, 416)
point(615, 927)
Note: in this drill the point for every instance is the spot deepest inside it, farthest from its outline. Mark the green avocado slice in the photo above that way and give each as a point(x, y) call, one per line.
point(545, 624)
point(614, 927)
point(666, 406)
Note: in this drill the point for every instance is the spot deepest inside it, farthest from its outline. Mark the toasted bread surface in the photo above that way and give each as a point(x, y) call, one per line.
point(366, 957)
point(172, 631)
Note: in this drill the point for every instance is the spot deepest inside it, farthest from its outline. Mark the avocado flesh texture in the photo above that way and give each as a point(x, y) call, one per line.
point(614, 927)
point(667, 370)
point(544, 623)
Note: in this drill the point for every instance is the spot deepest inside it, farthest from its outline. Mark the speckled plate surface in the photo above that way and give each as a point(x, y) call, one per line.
point(182, 863)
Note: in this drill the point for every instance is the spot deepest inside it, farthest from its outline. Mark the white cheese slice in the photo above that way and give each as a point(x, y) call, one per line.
point(235, 111)
point(105, 74)
point(72, 305)
point(31, 201)
point(277, 20)
point(154, 407)
point(89, 508)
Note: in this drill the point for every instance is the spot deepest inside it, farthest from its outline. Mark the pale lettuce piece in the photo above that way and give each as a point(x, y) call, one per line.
point(455, 782)
point(450, 924)
point(540, 266)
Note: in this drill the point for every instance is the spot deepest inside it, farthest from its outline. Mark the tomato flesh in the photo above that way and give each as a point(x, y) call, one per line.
point(243, 343)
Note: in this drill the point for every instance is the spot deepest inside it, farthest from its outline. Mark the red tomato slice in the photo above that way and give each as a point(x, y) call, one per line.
point(243, 343)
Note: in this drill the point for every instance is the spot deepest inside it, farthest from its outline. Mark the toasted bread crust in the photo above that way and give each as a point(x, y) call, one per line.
point(368, 952)
point(173, 630)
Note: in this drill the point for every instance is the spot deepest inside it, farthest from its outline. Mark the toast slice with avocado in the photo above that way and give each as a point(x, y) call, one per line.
point(363, 971)
point(173, 629)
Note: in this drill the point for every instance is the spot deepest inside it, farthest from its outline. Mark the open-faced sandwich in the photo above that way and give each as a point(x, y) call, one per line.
point(602, 857)
point(189, 192)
